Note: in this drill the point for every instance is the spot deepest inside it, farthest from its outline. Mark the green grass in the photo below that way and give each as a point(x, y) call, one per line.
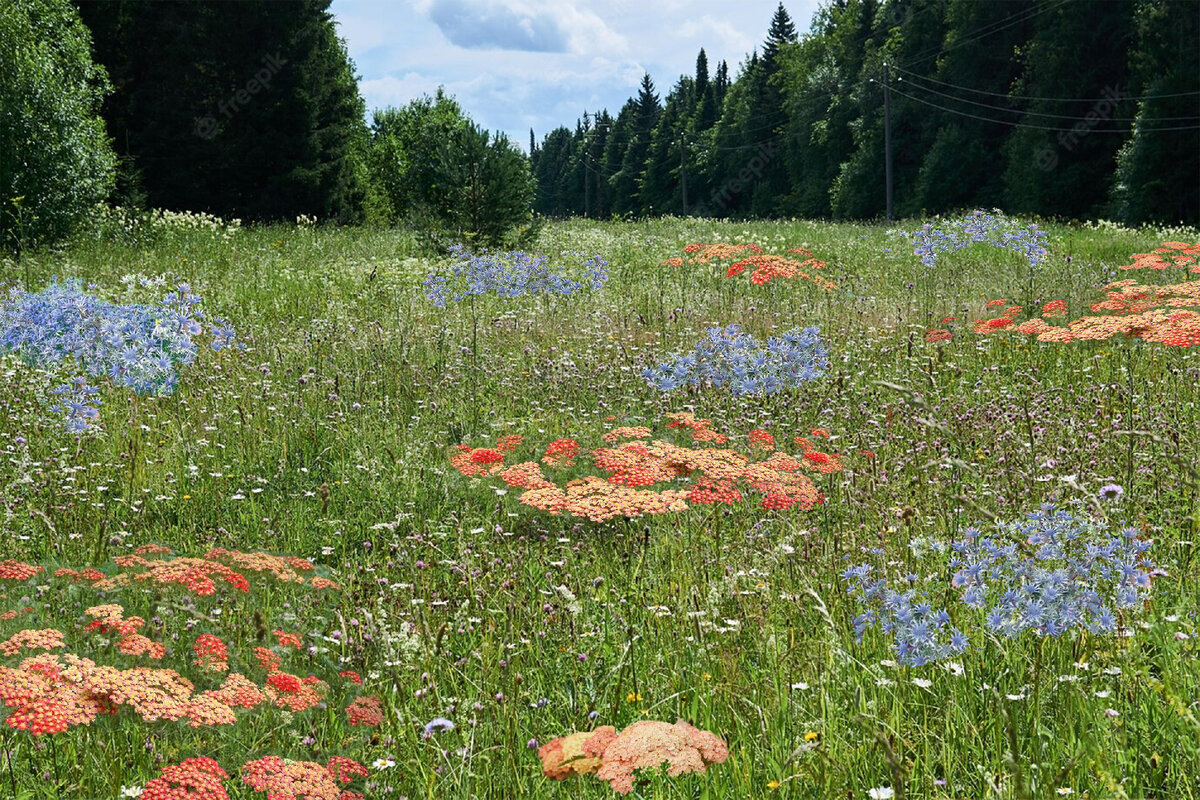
point(328, 438)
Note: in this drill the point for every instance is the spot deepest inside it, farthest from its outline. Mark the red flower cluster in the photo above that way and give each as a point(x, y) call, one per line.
point(211, 653)
point(13, 570)
point(1157, 313)
point(642, 475)
point(191, 779)
point(764, 266)
point(1172, 254)
point(283, 779)
point(366, 711)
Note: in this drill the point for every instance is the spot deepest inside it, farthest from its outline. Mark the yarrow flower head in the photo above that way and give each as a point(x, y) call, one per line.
point(729, 357)
point(616, 757)
point(513, 274)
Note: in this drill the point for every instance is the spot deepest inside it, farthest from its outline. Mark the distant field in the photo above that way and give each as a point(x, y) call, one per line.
point(330, 435)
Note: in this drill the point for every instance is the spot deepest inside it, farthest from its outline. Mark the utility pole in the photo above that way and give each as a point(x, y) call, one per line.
point(599, 167)
point(887, 139)
point(683, 172)
point(587, 206)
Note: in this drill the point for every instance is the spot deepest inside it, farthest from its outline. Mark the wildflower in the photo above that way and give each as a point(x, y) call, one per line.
point(811, 736)
point(436, 725)
point(729, 357)
point(131, 791)
point(1027, 239)
point(1111, 491)
point(648, 744)
point(881, 793)
point(511, 275)
point(136, 346)
point(383, 763)
point(564, 757)
point(366, 711)
point(772, 785)
point(283, 779)
point(192, 778)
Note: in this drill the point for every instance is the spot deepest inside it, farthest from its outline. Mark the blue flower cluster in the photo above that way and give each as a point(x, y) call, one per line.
point(133, 345)
point(513, 274)
point(923, 634)
point(1049, 573)
point(1027, 239)
point(728, 356)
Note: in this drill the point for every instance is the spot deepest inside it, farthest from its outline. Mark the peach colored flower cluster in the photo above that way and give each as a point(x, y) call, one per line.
point(764, 266)
point(1180, 255)
point(616, 757)
point(109, 618)
point(191, 779)
point(1166, 314)
point(642, 475)
point(283, 779)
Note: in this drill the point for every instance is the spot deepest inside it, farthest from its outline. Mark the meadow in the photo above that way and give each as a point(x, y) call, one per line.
point(486, 627)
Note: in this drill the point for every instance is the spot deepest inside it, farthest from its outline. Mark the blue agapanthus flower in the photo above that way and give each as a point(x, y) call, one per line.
point(730, 357)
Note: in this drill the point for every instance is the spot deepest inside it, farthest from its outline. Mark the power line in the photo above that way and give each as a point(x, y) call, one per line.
point(1035, 127)
point(1047, 99)
point(1041, 114)
point(984, 32)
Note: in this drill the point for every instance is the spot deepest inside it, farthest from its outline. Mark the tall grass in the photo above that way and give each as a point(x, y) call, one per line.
point(328, 437)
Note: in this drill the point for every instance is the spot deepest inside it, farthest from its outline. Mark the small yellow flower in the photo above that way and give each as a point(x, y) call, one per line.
point(811, 736)
point(633, 697)
point(772, 784)
point(707, 676)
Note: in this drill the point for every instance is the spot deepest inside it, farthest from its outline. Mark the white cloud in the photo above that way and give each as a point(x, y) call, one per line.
point(516, 64)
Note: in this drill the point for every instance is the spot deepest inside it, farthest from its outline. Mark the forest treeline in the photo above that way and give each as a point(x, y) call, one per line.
point(1056, 107)
point(251, 109)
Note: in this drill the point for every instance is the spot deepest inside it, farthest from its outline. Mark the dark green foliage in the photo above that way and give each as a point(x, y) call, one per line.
point(246, 109)
point(975, 86)
point(1158, 173)
point(438, 171)
point(55, 159)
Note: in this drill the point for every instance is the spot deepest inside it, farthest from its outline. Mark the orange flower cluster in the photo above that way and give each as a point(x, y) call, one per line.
point(211, 653)
point(200, 575)
point(659, 477)
point(764, 266)
point(615, 757)
point(1156, 313)
point(288, 639)
point(29, 639)
point(191, 779)
point(366, 711)
point(283, 779)
point(561, 453)
point(88, 575)
point(13, 570)
point(282, 568)
point(1172, 254)
point(110, 618)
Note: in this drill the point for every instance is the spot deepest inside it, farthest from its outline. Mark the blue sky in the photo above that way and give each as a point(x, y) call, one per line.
point(517, 64)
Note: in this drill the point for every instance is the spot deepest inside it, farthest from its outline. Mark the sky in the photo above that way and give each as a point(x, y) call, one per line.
point(520, 64)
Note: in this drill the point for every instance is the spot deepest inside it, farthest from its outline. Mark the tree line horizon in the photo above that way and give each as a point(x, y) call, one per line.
point(1054, 108)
